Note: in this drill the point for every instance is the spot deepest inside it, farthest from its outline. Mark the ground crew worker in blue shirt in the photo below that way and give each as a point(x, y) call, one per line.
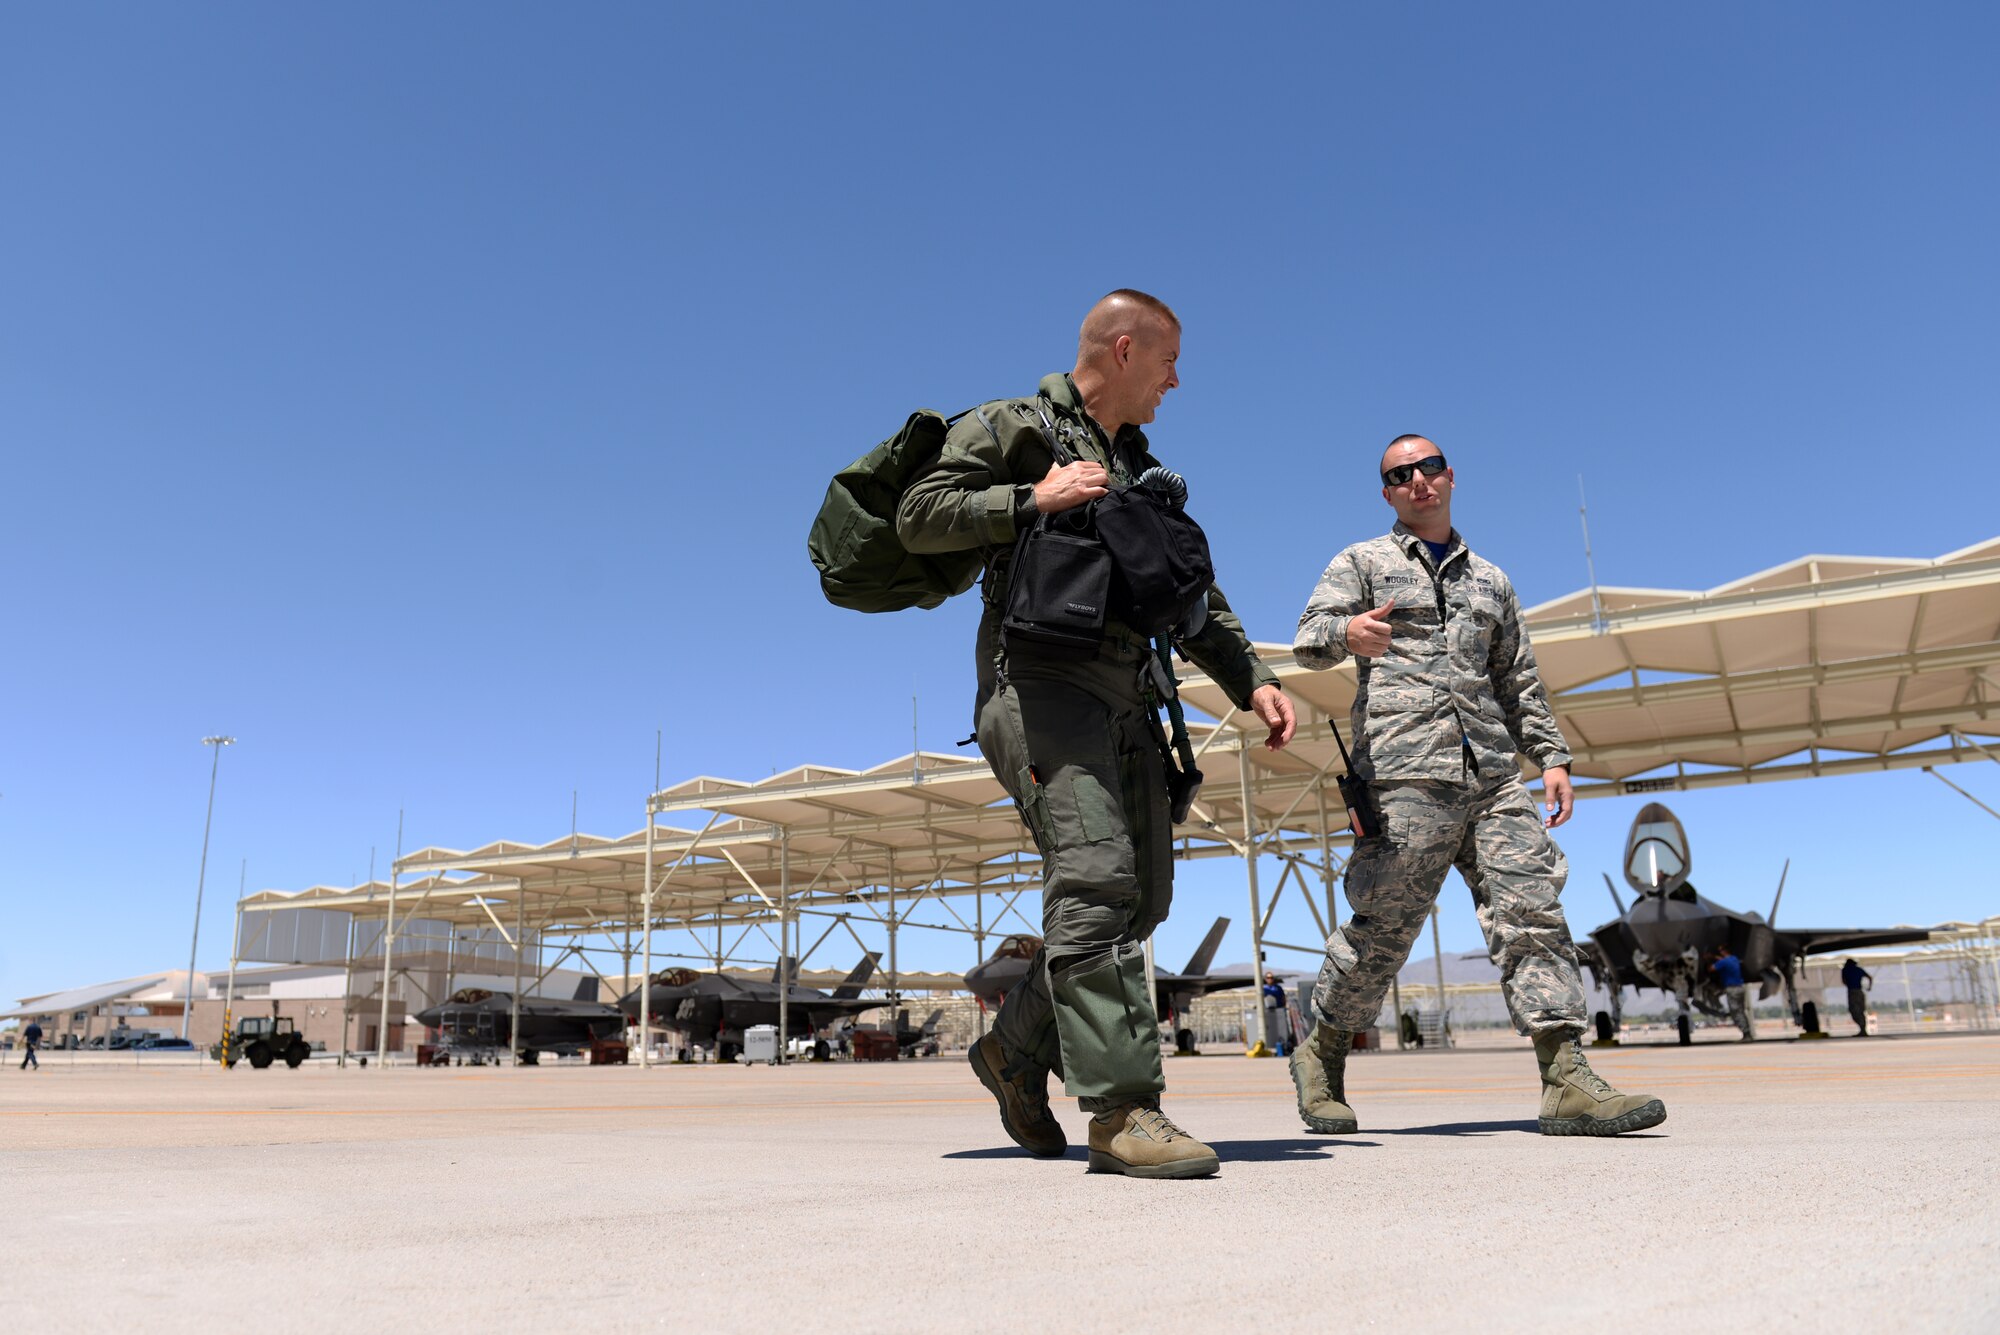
point(1857, 980)
point(1279, 1025)
point(1728, 971)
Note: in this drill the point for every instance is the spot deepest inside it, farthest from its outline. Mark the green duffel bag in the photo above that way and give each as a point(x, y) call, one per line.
point(862, 563)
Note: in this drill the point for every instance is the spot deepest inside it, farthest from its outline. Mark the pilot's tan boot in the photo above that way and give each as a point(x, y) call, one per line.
point(1576, 1102)
point(1139, 1140)
point(1023, 1099)
point(1319, 1073)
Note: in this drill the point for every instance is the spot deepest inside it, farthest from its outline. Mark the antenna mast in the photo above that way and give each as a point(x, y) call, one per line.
point(1598, 625)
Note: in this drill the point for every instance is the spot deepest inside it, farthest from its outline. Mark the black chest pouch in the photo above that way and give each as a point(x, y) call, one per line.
point(1059, 587)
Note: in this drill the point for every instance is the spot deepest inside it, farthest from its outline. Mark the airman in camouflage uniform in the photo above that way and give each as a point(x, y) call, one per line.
point(1076, 745)
point(1448, 699)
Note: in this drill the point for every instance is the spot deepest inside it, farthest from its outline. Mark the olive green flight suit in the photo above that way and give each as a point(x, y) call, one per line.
point(1076, 744)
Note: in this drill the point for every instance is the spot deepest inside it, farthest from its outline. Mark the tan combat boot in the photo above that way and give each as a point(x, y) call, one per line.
point(1319, 1073)
point(1139, 1140)
point(1023, 1099)
point(1575, 1102)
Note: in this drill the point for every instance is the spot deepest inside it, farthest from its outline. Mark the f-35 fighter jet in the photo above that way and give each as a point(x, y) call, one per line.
point(478, 1020)
point(714, 1009)
point(1670, 934)
point(1174, 993)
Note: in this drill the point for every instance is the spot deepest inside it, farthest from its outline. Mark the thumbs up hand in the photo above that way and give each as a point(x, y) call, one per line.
point(1368, 634)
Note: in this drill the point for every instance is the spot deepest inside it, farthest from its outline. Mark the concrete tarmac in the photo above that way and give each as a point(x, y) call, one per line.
point(1837, 1185)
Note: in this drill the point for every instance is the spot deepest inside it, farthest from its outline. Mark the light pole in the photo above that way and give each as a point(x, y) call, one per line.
point(187, 1012)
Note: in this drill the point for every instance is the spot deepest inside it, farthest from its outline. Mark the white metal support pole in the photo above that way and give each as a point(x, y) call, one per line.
point(895, 987)
point(235, 946)
point(1437, 950)
point(979, 941)
point(625, 955)
point(1256, 901)
point(646, 953)
point(388, 952)
point(784, 942)
point(347, 999)
point(1326, 858)
point(388, 959)
point(201, 880)
point(520, 942)
point(450, 959)
point(1993, 962)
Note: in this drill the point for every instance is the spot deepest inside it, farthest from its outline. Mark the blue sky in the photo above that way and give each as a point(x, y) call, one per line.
point(436, 398)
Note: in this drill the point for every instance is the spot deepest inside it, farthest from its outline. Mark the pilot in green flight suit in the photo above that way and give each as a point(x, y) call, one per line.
point(1076, 745)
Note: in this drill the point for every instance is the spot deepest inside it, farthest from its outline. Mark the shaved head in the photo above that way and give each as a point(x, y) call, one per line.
point(1402, 456)
point(1119, 314)
point(1127, 358)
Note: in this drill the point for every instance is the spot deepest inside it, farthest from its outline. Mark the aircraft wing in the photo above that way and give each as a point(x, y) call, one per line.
point(1171, 988)
point(1607, 953)
point(1611, 942)
point(843, 1006)
point(1809, 941)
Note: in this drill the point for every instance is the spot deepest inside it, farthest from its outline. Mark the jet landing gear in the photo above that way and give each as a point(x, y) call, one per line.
point(1805, 1016)
point(1809, 1026)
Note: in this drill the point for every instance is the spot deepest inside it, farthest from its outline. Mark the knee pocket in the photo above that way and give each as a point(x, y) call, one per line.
point(1086, 848)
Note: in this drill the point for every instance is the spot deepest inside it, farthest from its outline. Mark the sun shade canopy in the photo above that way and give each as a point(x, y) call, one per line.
point(1825, 665)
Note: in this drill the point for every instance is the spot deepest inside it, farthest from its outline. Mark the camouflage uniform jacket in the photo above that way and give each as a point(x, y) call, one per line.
point(981, 494)
point(1458, 688)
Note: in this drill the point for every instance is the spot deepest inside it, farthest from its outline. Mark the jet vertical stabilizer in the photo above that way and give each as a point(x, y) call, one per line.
point(1204, 954)
point(1614, 894)
point(851, 986)
point(1779, 897)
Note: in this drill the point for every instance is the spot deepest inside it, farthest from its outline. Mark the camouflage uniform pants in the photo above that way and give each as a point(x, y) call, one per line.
point(1739, 1010)
point(1074, 744)
point(1492, 832)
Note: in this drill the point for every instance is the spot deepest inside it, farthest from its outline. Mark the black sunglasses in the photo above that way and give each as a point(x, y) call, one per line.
point(1401, 473)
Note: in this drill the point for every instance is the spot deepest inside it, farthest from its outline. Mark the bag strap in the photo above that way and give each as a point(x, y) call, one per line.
point(1049, 434)
point(1183, 747)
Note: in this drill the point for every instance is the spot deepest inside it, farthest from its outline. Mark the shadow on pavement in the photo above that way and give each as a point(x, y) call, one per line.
point(1230, 1151)
point(1527, 1125)
point(1286, 1151)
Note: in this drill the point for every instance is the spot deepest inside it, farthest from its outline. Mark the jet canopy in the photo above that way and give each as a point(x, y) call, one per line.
point(1656, 852)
